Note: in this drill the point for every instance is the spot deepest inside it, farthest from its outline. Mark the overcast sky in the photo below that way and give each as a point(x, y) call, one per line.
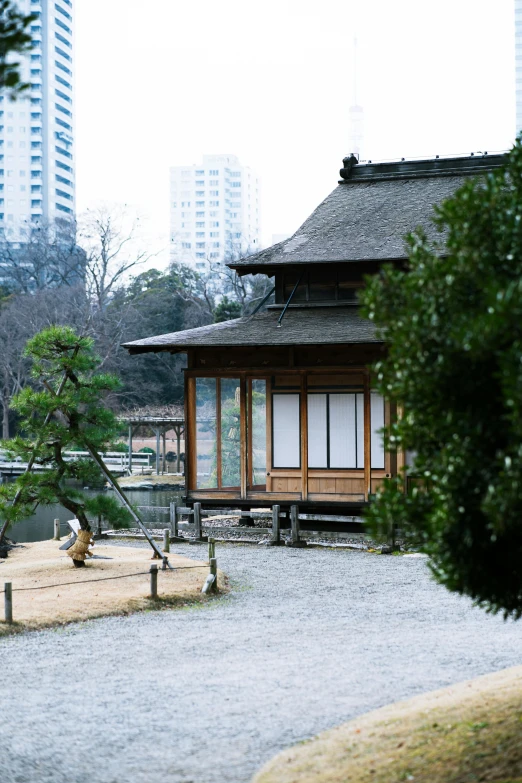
point(160, 82)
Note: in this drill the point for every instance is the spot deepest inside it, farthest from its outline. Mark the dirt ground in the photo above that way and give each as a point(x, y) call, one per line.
point(73, 594)
point(470, 731)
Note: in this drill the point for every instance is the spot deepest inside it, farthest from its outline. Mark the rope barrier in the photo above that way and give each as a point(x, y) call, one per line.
point(101, 579)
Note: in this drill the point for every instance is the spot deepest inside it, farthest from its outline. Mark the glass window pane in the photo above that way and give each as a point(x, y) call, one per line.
point(258, 432)
point(317, 430)
point(206, 453)
point(377, 442)
point(360, 430)
point(286, 431)
point(230, 433)
point(343, 447)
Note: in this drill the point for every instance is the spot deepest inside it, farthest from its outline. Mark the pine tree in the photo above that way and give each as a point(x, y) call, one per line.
point(63, 410)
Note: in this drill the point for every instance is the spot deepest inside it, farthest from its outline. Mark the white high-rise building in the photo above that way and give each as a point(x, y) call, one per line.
point(214, 211)
point(36, 131)
point(518, 63)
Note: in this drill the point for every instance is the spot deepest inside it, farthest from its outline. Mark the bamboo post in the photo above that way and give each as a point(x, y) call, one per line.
point(56, 529)
point(211, 548)
point(166, 540)
point(154, 581)
point(276, 526)
point(213, 571)
point(8, 588)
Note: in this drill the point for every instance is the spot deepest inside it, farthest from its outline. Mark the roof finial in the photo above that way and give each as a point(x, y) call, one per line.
point(348, 164)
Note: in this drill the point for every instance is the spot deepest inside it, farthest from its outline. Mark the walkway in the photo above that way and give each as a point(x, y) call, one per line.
point(308, 639)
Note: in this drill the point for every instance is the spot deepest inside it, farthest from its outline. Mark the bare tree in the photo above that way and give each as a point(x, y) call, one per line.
point(45, 255)
point(111, 239)
point(247, 290)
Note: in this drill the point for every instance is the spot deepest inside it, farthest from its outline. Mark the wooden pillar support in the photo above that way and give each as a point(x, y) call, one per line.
point(191, 479)
point(275, 540)
point(173, 518)
point(295, 540)
point(197, 523)
point(129, 462)
point(304, 437)
point(243, 435)
point(367, 437)
point(164, 438)
point(178, 448)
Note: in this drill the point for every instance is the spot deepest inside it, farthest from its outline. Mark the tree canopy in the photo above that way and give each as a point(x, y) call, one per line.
point(14, 39)
point(453, 324)
point(62, 410)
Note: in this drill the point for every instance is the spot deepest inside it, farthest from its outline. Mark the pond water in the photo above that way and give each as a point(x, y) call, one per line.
point(40, 526)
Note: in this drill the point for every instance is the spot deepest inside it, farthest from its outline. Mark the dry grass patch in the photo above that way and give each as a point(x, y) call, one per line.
point(469, 732)
point(43, 564)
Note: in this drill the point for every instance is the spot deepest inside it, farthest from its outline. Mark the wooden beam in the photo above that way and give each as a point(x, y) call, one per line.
point(367, 436)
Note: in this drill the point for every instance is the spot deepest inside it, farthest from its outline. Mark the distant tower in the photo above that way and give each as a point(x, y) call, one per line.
point(518, 62)
point(355, 112)
point(37, 170)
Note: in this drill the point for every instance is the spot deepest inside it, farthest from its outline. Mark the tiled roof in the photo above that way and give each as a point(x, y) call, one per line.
point(369, 213)
point(300, 326)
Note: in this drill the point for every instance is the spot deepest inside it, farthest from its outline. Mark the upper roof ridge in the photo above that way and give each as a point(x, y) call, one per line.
point(403, 168)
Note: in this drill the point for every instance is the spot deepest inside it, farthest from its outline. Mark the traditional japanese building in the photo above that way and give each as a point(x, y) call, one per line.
point(278, 405)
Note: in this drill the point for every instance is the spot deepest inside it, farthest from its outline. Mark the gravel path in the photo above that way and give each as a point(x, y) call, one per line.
point(308, 639)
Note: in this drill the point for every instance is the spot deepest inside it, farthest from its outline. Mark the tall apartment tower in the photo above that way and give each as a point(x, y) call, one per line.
point(214, 211)
point(518, 63)
point(36, 131)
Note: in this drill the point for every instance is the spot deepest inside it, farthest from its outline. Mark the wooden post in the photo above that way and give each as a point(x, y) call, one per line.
point(213, 571)
point(164, 450)
point(178, 449)
point(276, 527)
point(197, 522)
point(130, 450)
point(367, 437)
point(304, 436)
point(243, 435)
point(8, 587)
point(154, 581)
point(211, 548)
point(191, 477)
point(174, 520)
point(295, 541)
point(166, 540)
point(157, 452)
point(56, 529)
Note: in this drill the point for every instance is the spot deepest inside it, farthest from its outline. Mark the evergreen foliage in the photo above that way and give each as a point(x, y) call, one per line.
point(14, 39)
point(62, 410)
point(453, 324)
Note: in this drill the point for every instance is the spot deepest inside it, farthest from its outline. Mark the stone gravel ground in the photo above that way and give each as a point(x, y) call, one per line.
point(307, 639)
